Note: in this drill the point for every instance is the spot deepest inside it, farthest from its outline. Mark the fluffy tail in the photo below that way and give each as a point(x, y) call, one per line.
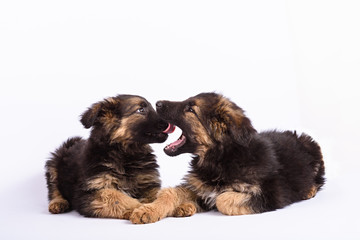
point(313, 148)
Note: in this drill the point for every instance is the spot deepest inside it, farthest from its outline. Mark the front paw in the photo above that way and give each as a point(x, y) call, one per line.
point(145, 214)
point(185, 210)
point(127, 213)
point(58, 206)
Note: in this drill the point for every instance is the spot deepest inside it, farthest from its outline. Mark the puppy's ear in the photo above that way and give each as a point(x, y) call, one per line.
point(241, 129)
point(229, 120)
point(88, 117)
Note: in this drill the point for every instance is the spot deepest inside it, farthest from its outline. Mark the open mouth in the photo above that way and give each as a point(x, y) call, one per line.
point(172, 148)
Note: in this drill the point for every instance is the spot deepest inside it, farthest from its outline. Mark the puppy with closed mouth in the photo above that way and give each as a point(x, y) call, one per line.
point(234, 169)
point(113, 171)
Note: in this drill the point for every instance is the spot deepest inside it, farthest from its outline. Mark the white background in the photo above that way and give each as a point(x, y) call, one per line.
point(289, 64)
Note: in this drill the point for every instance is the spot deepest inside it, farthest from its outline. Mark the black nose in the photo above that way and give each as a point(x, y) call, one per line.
point(159, 104)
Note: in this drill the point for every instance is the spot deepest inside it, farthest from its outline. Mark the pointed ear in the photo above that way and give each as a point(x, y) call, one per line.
point(88, 117)
point(241, 129)
point(229, 120)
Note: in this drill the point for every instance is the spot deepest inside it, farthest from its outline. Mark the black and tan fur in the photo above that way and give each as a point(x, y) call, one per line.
point(235, 169)
point(114, 170)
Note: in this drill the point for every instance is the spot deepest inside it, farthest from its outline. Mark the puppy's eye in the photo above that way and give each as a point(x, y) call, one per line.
point(190, 109)
point(140, 110)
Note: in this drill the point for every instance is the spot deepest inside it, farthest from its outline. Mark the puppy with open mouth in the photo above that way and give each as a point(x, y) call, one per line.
point(234, 169)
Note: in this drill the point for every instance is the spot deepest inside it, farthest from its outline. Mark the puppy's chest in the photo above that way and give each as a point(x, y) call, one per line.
point(208, 197)
point(207, 194)
point(131, 181)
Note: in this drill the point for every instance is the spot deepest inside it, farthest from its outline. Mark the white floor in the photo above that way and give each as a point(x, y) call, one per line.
point(328, 216)
point(332, 214)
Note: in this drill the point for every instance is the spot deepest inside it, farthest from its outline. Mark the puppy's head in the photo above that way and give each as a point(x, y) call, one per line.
point(125, 119)
point(207, 120)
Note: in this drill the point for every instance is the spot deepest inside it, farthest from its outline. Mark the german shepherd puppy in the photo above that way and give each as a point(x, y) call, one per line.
point(234, 169)
point(114, 170)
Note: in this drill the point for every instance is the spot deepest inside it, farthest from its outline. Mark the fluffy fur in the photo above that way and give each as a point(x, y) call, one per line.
point(235, 169)
point(114, 170)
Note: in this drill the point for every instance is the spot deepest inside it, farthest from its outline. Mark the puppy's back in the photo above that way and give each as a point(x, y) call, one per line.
point(301, 160)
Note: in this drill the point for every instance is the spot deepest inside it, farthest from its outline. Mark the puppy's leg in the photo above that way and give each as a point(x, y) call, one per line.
point(234, 203)
point(186, 209)
point(57, 202)
point(149, 196)
point(111, 203)
point(170, 202)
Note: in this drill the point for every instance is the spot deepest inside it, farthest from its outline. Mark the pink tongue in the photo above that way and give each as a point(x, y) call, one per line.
point(178, 143)
point(174, 144)
point(169, 129)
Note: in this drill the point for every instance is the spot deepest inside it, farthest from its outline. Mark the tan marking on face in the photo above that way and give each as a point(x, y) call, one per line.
point(110, 120)
point(111, 203)
point(134, 101)
point(199, 102)
point(132, 104)
point(123, 133)
point(234, 203)
point(201, 135)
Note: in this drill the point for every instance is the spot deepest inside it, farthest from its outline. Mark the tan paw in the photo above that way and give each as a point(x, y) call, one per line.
point(311, 193)
point(127, 213)
point(185, 210)
point(145, 214)
point(58, 206)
